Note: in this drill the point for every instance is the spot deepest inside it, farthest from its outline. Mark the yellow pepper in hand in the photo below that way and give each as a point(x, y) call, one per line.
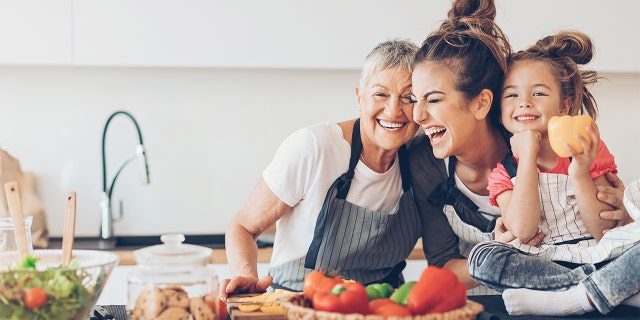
point(565, 129)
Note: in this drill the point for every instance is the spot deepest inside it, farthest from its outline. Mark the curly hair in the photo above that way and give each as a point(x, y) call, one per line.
point(563, 53)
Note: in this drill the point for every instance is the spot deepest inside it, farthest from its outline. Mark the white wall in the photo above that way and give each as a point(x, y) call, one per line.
point(208, 133)
point(211, 128)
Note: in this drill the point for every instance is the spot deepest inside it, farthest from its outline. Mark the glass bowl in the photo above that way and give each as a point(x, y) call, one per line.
point(51, 291)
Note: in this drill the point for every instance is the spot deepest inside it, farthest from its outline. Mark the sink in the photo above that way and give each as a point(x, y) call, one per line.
point(214, 241)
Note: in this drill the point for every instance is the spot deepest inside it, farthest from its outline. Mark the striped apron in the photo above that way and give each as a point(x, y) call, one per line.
point(466, 221)
point(566, 237)
point(355, 242)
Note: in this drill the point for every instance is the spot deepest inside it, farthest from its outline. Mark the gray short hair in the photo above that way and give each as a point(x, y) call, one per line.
point(395, 53)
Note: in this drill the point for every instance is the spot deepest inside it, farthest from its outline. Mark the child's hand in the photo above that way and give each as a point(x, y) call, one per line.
point(525, 144)
point(581, 163)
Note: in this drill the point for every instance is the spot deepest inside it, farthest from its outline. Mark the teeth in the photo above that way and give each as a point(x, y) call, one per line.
point(526, 118)
point(432, 130)
point(390, 125)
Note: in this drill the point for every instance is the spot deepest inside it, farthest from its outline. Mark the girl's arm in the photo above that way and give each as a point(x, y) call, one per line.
point(520, 207)
point(586, 187)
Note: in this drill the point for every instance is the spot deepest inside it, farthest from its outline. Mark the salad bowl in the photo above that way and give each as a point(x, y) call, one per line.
point(40, 287)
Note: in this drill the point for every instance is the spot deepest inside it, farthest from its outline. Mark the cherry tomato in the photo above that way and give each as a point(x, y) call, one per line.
point(34, 297)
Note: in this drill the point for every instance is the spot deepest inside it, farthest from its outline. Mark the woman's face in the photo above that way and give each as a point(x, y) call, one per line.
point(441, 110)
point(531, 96)
point(386, 109)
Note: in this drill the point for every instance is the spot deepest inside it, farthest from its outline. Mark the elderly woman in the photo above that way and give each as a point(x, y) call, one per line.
point(339, 193)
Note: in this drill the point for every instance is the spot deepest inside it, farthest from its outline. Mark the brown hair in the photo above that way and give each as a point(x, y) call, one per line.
point(563, 53)
point(471, 45)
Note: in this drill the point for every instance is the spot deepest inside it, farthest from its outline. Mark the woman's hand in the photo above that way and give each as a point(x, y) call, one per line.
point(613, 196)
point(505, 236)
point(244, 285)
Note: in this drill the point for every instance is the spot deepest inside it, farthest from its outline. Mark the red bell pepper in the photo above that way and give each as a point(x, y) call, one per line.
point(388, 308)
point(346, 297)
point(319, 281)
point(437, 290)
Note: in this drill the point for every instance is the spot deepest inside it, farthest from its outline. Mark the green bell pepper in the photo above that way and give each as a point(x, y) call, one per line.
point(379, 290)
point(401, 294)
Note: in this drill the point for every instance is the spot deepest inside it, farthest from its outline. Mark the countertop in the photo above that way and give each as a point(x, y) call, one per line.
point(264, 255)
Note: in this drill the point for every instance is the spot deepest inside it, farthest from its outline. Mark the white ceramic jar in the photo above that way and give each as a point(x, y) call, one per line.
point(171, 281)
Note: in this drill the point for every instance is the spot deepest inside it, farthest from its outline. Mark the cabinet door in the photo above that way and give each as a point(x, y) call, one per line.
point(244, 33)
point(328, 34)
point(35, 32)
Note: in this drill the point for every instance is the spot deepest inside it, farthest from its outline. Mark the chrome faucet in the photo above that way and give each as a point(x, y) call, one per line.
point(107, 219)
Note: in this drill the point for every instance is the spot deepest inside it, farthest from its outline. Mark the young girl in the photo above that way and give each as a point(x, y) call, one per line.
point(538, 191)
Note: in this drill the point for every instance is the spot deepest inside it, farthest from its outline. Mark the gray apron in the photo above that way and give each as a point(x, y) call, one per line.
point(566, 237)
point(355, 242)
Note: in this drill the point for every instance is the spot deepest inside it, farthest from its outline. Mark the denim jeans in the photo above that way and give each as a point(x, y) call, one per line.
point(501, 266)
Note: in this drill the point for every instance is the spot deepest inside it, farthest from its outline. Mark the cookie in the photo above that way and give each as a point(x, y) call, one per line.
point(200, 309)
point(176, 297)
point(174, 313)
point(152, 301)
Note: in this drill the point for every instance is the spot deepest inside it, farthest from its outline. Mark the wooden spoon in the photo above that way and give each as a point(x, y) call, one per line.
point(15, 208)
point(69, 228)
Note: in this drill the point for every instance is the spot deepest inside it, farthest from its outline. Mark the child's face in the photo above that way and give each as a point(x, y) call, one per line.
point(531, 96)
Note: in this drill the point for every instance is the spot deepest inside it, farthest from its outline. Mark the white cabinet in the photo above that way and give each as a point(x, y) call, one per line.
point(35, 32)
point(331, 34)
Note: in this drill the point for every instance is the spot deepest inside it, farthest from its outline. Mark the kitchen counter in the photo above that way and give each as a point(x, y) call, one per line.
point(264, 255)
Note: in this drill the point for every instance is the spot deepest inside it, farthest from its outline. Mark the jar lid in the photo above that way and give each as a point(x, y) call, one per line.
point(172, 252)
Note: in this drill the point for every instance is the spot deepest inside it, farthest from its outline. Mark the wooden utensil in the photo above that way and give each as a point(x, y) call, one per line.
point(15, 209)
point(69, 228)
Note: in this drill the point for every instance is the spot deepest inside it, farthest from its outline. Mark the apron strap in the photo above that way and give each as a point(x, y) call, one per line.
point(510, 165)
point(356, 149)
point(448, 194)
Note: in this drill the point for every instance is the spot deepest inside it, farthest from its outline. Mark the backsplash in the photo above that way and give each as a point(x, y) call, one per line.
point(208, 134)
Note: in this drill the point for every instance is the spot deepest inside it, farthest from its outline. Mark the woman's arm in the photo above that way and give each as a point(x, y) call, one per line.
point(613, 196)
point(261, 211)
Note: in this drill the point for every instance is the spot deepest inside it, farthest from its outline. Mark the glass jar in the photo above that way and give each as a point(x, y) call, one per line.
point(173, 281)
point(7, 237)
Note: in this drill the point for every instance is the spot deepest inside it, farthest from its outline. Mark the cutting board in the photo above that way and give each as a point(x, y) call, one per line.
point(236, 314)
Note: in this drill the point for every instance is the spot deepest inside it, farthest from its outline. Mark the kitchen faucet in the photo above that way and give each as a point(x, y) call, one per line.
point(107, 219)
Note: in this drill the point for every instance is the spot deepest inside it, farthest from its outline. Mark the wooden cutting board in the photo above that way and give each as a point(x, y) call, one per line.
point(236, 314)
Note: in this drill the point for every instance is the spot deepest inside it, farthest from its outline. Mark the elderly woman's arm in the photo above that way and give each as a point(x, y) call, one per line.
point(261, 211)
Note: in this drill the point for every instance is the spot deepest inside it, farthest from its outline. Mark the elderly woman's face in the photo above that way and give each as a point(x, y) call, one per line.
point(386, 109)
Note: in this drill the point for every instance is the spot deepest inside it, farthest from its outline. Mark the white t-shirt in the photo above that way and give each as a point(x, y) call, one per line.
point(300, 174)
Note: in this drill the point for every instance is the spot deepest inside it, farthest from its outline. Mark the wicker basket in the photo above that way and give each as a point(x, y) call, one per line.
point(297, 307)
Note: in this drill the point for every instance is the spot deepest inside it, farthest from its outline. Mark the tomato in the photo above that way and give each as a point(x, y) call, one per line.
point(220, 309)
point(388, 308)
point(318, 281)
point(34, 297)
point(393, 310)
point(565, 129)
point(347, 297)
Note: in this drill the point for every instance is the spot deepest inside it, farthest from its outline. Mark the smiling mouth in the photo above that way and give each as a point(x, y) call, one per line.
point(526, 118)
point(391, 125)
point(435, 133)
